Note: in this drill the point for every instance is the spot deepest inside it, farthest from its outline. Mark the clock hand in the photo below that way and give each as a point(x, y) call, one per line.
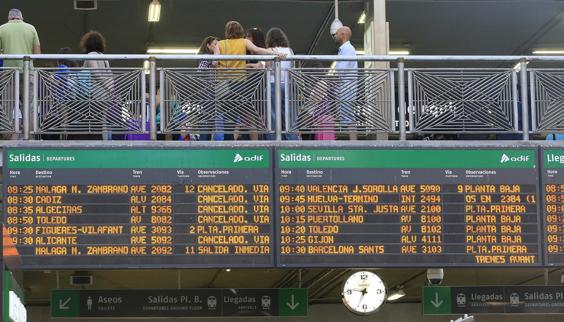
point(362, 296)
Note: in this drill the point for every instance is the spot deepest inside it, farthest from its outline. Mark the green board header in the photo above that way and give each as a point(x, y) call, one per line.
point(123, 158)
point(553, 159)
point(396, 158)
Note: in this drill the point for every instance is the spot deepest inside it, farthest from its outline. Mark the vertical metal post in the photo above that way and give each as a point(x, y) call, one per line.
point(35, 105)
point(410, 107)
point(25, 116)
point(532, 91)
point(524, 100)
point(300, 278)
point(269, 101)
point(17, 101)
point(153, 97)
point(401, 98)
point(392, 91)
point(515, 100)
point(144, 105)
point(162, 97)
point(278, 98)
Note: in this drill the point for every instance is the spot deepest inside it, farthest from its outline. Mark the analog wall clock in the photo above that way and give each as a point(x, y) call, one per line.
point(364, 292)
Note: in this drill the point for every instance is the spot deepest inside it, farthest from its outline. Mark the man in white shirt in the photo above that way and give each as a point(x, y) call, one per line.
point(347, 72)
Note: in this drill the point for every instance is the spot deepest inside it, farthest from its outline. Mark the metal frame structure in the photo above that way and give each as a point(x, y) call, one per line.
point(9, 101)
point(463, 100)
point(547, 100)
point(214, 100)
point(360, 100)
point(89, 101)
point(546, 116)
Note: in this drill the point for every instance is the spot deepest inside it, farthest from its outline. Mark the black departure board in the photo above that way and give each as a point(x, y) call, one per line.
point(118, 208)
point(552, 173)
point(407, 207)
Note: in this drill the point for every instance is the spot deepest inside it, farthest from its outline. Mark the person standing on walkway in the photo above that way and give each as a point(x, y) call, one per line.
point(19, 38)
point(235, 78)
point(277, 40)
point(99, 83)
point(205, 67)
point(347, 73)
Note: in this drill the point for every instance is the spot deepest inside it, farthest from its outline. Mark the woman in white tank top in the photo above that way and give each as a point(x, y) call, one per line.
point(278, 41)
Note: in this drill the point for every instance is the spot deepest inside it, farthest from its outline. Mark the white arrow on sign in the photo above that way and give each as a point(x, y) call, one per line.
point(436, 303)
point(294, 304)
point(63, 305)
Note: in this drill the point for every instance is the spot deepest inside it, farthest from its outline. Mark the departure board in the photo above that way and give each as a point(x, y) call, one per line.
point(403, 208)
point(118, 208)
point(553, 203)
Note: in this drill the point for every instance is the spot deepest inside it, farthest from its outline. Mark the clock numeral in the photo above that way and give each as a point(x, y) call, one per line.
point(349, 292)
point(363, 277)
point(365, 306)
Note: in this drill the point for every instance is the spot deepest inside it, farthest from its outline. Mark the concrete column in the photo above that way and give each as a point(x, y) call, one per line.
point(376, 37)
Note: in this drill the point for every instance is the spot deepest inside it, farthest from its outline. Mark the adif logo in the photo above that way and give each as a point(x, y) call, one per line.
point(240, 158)
point(504, 158)
point(522, 158)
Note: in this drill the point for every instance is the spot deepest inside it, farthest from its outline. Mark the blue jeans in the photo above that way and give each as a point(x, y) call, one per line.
point(285, 136)
point(218, 135)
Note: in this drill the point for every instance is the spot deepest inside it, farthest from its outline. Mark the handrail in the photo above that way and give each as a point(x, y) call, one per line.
point(404, 106)
point(140, 57)
point(388, 58)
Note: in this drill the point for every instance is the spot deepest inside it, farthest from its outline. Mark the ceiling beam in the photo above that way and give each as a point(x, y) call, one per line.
point(288, 276)
point(323, 28)
point(214, 278)
point(539, 33)
point(328, 287)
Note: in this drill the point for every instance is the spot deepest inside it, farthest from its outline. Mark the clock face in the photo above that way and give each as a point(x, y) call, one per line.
point(364, 292)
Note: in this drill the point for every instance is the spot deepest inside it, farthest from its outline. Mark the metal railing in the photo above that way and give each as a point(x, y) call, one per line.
point(360, 100)
point(444, 100)
point(215, 100)
point(9, 101)
point(87, 101)
point(547, 100)
point(463, 100)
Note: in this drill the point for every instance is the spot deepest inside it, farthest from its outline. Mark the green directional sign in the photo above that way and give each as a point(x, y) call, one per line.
point(528, 299)
point(437, 300)
point(65, 303)
point(159, 303)
point(292, 302)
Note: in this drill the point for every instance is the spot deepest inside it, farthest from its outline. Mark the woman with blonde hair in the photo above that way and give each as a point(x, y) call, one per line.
point(235, 43)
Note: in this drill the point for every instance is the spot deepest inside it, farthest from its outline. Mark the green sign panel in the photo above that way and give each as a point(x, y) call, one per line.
point(129, 158)
point(553, 159)
point(65, 303)
point(292, 302)
point(178, 303)
point(436, 300)
point(412, 158)
point(493, 300)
